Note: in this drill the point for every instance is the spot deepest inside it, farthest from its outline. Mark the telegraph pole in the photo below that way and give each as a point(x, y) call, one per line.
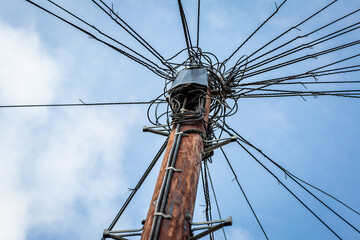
point(185, 149)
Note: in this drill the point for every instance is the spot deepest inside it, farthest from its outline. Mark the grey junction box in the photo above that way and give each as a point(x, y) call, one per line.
point(191, 76)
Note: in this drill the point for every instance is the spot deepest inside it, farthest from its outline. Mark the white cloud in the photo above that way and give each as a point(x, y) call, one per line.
point(58, 168)
point(27, 73)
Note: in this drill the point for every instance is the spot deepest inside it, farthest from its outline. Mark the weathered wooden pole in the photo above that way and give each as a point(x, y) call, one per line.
point(181, 197)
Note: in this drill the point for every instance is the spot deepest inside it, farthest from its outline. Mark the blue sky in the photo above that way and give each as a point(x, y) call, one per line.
point(65, 172)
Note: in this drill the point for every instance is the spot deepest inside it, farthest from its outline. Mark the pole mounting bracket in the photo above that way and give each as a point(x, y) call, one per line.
point(154, 130)
point(210, 146)
point(162, 215)
point(121, 234)
point(208, 227)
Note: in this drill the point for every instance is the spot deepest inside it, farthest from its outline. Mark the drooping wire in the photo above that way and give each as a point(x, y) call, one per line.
point(100, 32)
point(138, 185)
point(83, 104)
point(304, 36)
point(215, 199)
point(300, 59)
point(323, 192)
point(204, 179)
point(185, 29)
point(256, 30)
point(288, 30)
point(198, 26)
point(305, 46)
point(286, 172)
point(118, 20)
point(154, 69)
point(297, 182)
point(243, 192)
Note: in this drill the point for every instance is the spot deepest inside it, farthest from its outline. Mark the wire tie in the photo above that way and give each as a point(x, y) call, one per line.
point(162, 215)
point(181, 133)
point(174, 169)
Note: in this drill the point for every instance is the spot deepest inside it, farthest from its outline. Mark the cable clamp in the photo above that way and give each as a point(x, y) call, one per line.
point(181, 133)
point(174, 169)
point(162, 215)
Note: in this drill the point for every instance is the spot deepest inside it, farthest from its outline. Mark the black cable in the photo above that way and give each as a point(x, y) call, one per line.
point(77, 104)
point(208, 203)
point(322, 191)
point(293, 194)
point(131, 31)
point(198, 26)
point(305, 46)
point(138, 185)
point(99, 31)
point(244, 194)
point(279, 181)
point(292, 178)
point(310, 73)
point(206, 194)
point(305, 83)
point(165, 187)
point(185, 29)
point(148, 66)
point(287, 31)
point(324, 204)
point(300, 59)
point(251, 35)
point(301, 36)
point(215, 198)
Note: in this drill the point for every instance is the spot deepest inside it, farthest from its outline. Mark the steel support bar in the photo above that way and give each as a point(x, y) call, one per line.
point(212, 229)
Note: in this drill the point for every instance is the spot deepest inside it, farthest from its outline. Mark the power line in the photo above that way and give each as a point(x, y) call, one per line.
point(78, 104)
point(118, 20)
point(198, 26)
point(138, 185)
point(185, 29)
point(305, 46)
point(287, 31)
point(298, 37)
point(152, 68)
point(251, 35)
point(215, 198)
point(243, 192)
point(290, 175)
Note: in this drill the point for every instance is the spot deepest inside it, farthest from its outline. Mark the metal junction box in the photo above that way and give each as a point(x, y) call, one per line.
point(191, 76)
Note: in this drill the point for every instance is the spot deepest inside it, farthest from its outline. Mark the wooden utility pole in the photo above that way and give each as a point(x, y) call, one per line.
point(182, 194)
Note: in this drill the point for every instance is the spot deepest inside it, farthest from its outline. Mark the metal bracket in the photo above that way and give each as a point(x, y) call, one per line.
point(162, 215)
point(221, 142)
point(209, 228)
point(152, 130)
point(181, 133)
point(120, 234)
point(174, 169)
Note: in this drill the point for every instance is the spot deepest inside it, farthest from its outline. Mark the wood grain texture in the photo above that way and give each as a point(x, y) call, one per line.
point(182, 195)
